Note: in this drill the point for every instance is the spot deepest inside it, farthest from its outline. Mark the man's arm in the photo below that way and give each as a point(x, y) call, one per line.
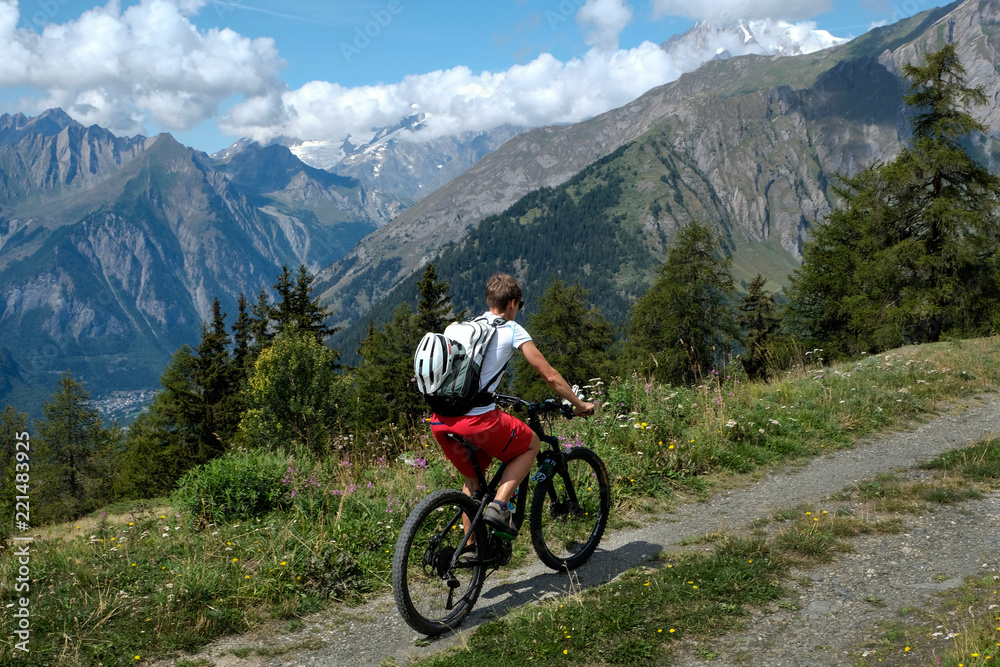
point(554, 379)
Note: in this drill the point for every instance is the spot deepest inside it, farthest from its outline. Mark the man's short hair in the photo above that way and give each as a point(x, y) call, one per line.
point(501, 289)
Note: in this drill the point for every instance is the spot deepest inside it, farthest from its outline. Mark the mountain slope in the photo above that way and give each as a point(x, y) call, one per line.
point(410, 159)
point(764, 134)
point(111, 249)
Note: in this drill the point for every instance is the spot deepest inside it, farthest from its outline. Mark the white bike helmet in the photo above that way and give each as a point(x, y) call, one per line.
point(432, 362)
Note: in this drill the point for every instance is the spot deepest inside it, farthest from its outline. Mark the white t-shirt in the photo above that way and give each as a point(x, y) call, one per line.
point(510, 336)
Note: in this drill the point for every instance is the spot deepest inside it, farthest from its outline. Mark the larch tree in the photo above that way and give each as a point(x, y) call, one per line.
point(912, 253)
point(73, 453)
point(759, 323)
point(682, 326)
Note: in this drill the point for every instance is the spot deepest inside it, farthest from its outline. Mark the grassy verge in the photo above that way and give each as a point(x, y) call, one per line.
point(639, 618)
point(157, 579)
point(964, 629)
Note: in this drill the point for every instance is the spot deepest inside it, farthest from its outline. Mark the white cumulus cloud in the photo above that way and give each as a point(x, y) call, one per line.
point(149, 65)
point(543, 91)
point(603, 21)
point(122, 69)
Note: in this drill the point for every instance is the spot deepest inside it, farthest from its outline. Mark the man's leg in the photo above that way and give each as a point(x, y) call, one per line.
point(517, 469)
point(470, 487)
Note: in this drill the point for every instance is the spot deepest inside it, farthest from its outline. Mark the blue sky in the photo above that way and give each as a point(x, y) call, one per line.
point(494, 35)
point(211, 71)
point(426, 36)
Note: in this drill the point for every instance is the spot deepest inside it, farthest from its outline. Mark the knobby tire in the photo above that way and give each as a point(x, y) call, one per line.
point(420, 572)
point(565, 533)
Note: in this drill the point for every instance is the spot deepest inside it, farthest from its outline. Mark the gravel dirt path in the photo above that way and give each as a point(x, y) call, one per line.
point(834, 616)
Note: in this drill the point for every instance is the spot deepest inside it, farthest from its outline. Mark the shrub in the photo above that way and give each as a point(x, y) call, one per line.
point(239, 485)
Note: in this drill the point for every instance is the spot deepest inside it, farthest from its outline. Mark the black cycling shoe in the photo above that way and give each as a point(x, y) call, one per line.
point(497, 517)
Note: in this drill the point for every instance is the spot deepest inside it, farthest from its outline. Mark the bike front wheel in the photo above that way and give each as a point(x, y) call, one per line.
point(432, 592)
point(570, 511)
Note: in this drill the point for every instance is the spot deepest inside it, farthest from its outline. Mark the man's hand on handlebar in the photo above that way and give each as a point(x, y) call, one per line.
point(586, 410)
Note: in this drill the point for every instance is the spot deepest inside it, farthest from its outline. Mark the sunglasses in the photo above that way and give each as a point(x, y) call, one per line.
point(520, 304)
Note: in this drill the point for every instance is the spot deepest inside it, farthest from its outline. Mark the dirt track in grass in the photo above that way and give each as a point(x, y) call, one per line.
point(831, 621)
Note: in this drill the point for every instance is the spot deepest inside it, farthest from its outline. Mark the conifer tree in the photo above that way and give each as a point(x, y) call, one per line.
point(72, 454)
point(260, 329)
point(959, 222)
point(154, 455)
point(679, 329)
point(434, 308)
point(295, 306)
point(192, 421)
point(575, 338)
point(216, 415)
point(913, 251)
point(242, 336)
point(283, 310)
point(384, 379)
point(759, 321)
point(164, 441)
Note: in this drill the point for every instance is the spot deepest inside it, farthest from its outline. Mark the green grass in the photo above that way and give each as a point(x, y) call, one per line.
point(628, 621)
point(639, 617)
point(962, 629)
point(153, 580)
point(980, 463)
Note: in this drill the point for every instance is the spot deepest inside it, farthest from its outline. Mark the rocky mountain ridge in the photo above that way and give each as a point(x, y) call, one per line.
point(764, 136)
point(714, 40)
point(112, 249)
point(400, 160)
point(45, 154)
point(413, 168)
point(403, 159)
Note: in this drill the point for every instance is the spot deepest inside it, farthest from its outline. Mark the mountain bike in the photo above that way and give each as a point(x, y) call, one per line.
point(440, 566)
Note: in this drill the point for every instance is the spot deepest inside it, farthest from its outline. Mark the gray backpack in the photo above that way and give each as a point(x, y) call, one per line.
point(447, 366)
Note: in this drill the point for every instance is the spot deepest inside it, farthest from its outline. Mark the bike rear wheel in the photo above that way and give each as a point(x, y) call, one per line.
point(432, 595)
point(569, 511)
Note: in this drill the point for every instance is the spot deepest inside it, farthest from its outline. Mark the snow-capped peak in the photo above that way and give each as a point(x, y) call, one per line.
point(709, 40)
point(326, 154)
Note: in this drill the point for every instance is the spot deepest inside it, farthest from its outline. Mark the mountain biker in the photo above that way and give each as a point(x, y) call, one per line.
point(495, 433)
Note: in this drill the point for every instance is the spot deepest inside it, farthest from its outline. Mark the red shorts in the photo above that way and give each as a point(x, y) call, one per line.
point(496, 434)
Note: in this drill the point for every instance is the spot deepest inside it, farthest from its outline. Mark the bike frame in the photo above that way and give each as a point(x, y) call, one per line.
point(487, 490)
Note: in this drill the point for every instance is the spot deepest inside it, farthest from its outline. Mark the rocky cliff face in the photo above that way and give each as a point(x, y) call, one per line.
point(112, 249)
point(765, 135)
point(43, 155)
point(291, 184)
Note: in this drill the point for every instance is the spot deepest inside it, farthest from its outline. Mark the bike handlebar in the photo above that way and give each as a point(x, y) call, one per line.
point(535, 408)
